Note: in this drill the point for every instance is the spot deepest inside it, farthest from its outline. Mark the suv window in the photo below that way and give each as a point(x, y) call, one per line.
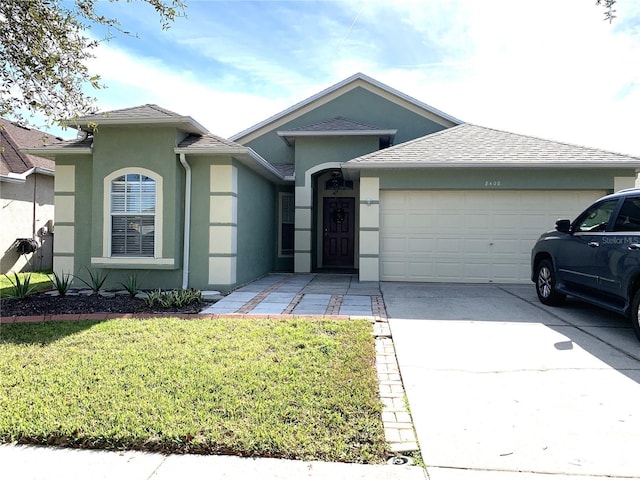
point(597, 217)
point(628, 220)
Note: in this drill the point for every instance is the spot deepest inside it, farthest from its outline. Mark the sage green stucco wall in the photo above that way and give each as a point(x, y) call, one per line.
point(358, 104)
point(255, 221)
point(116, 148)
point(200, 218)
point(497, 179)
point(151, 148)
point(318, 150)
point(256, 225)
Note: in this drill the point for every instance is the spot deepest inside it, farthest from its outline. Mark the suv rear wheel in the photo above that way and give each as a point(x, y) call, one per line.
point(635, 313)
point(546, 284)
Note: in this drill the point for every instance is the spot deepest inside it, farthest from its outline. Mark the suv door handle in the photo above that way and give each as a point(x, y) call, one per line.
point(594, 244)
point(634, 246)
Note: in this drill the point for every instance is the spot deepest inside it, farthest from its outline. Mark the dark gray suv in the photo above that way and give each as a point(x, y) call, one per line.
point(595, 258)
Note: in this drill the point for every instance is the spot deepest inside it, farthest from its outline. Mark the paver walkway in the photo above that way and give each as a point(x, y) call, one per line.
point(304, 294)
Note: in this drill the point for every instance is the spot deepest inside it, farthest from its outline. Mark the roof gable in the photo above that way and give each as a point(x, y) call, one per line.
point(337, 90)
point(473, 145)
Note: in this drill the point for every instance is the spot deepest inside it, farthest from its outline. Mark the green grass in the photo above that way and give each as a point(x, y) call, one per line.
point(39, 280)
point(303, 389)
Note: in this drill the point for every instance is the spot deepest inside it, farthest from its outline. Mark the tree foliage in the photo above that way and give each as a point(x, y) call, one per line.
point(44, 49)
point(609, 12)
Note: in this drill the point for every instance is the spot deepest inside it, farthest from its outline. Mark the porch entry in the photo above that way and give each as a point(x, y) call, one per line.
point(338, 232)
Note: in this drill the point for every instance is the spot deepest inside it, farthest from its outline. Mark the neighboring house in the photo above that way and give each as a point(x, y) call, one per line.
point(26, 200)
point(358, 178)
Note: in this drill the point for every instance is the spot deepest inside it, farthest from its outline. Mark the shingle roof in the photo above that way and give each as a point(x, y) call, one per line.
point(207, 141)
point(334, 127)
point(472, 145)
point(148, 111)
point(338, 124)
point(142, 114)
point(13, 137)
point(285, 169)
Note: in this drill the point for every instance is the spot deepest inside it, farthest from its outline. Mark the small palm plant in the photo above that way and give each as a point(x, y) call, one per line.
point(96, 280)
point(131, 284)
point(22, 288)
point(61, 282)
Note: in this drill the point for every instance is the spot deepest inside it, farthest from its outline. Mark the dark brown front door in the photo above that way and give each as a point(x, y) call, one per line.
point(338, 225)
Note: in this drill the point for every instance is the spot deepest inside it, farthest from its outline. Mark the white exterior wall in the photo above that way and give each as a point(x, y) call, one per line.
point(17, 215)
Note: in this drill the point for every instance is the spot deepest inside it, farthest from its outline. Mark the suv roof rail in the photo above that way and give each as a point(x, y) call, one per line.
point(631, 189)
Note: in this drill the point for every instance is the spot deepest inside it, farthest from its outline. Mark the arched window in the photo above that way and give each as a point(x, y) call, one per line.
point(133, 215)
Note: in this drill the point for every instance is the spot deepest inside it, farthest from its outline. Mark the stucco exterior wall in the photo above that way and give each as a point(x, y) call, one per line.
point(79, 232)
point(25, 209)
point(148, 148)
point(257, 222)
point(321, 150)
point(499, 179)
point(358, 104)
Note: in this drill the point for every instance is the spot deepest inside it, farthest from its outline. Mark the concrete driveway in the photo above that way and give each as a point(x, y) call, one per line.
point(501, 387)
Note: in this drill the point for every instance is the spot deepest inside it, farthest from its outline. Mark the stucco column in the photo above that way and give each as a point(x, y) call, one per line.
point(369, 229)
point(302, 234)
point(64, 207)
point(223, 225)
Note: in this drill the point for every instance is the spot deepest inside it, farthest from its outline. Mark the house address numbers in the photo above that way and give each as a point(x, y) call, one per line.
point(492, 183)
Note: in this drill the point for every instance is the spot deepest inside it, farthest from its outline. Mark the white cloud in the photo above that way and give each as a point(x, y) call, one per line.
point(135, 81)
point(545, 68)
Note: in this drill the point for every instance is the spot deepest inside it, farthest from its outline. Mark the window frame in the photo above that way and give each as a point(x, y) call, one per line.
point(579, 225)
point(107, 218)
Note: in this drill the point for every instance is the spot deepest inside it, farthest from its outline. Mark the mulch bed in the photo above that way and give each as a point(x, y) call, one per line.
point(42, 304)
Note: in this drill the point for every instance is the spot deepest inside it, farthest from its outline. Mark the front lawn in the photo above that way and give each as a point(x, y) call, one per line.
point(303, 389)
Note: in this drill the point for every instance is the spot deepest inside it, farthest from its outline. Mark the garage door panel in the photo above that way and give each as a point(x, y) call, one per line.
point(419, 221)
point(476, 246)
point(394, 245)
point(416, 245)
point(391, 220)
point(468, 236)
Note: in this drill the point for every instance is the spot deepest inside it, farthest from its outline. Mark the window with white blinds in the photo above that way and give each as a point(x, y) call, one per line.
point(133, 215)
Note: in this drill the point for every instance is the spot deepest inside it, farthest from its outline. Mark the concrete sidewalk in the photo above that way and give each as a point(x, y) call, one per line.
point(50, 463)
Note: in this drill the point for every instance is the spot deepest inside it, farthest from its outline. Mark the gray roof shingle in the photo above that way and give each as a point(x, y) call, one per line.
point(338, 124)
point(13, 137)
point(148, 111)
point(472, 145)
point(207, 141)
point(142, 114)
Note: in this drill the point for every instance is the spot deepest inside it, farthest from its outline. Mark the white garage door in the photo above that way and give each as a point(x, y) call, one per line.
point(467, 235)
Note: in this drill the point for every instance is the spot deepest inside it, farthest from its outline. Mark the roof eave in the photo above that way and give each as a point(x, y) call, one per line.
point(210, 150)
point(52, 152)
point(22, 177)
point(244, 155)
point(414, 165)
point(336, 133)
point(289, 137)
point(188, 124)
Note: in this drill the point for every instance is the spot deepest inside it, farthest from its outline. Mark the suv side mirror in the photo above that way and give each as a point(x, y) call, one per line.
point(563, 226)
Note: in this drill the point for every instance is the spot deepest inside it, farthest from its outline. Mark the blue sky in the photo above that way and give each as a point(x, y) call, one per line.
point(546, 68)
